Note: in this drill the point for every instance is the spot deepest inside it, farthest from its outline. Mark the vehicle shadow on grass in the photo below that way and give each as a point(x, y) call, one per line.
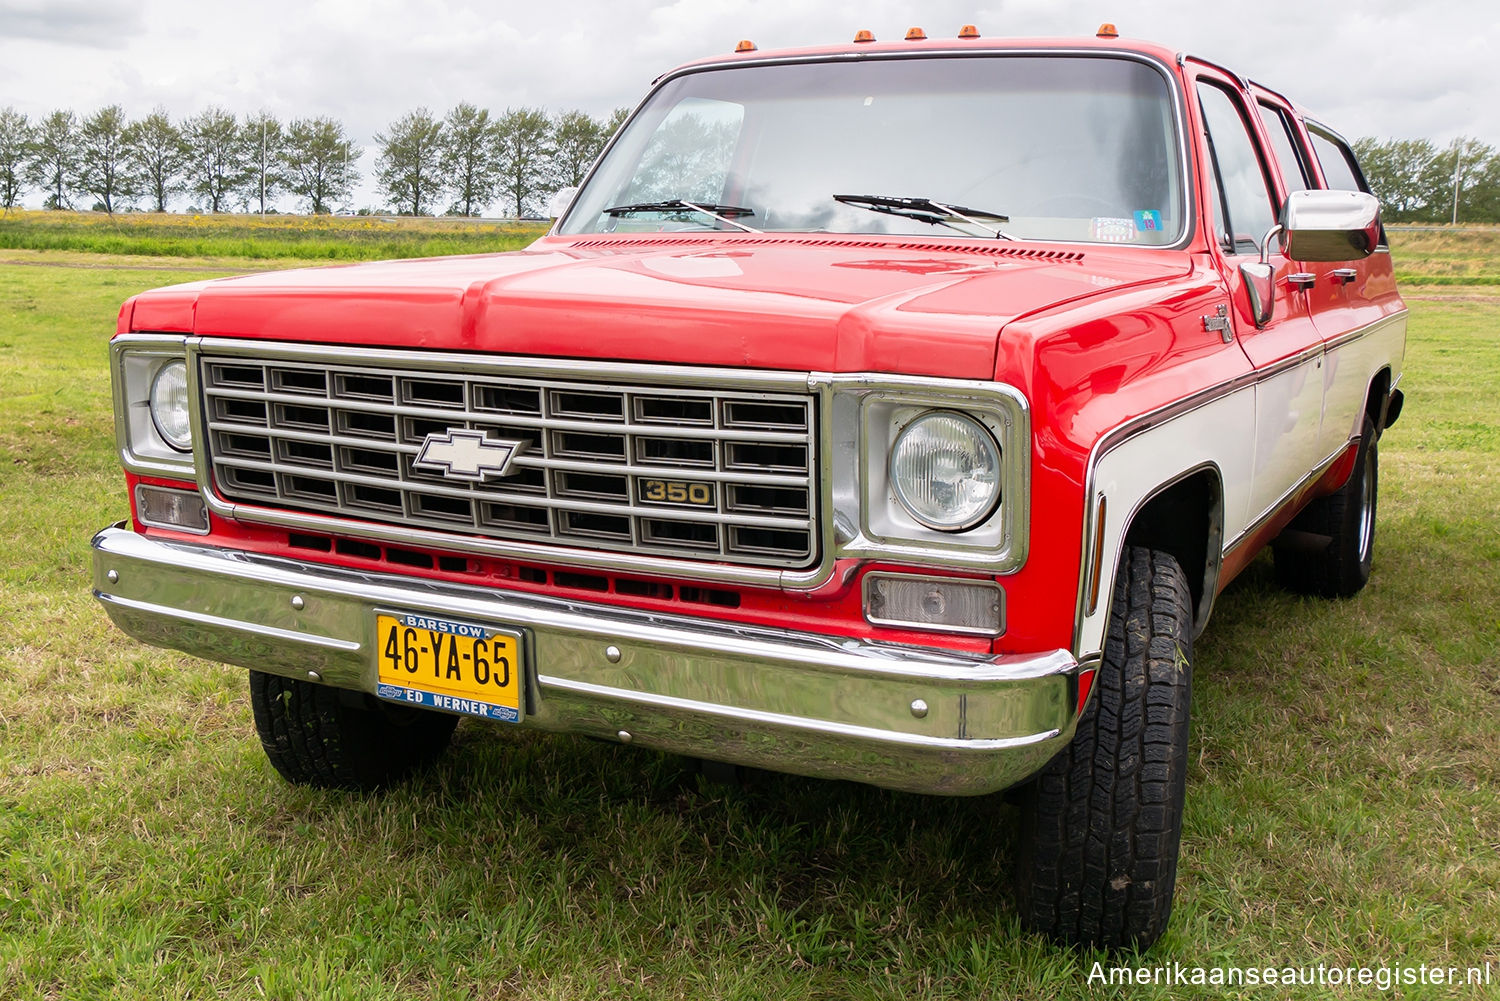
point(627, 845)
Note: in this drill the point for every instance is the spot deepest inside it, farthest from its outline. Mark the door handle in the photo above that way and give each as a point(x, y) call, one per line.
point(1343, 276)
point(1302, 280)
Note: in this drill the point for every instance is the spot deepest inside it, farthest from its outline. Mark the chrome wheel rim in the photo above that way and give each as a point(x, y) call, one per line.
point(1367, 505)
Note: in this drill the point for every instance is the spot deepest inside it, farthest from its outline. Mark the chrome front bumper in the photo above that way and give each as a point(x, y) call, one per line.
point(790, 701)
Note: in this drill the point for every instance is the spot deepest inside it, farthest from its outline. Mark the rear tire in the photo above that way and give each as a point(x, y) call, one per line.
point(1347, 518)
point(1102, 822)
point(332, 739)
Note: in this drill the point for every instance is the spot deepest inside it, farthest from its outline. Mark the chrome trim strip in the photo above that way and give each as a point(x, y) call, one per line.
point(1259, 521)
point(1353, 335)
point(865, 733)
point(218, 621)
point(1174, 89)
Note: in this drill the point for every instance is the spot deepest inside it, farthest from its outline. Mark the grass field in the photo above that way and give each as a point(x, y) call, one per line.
point(1343, 807)
point(290, 237)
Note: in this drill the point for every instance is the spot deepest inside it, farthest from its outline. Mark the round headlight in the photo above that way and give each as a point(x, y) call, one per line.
point(946, 471)
point(169, 405)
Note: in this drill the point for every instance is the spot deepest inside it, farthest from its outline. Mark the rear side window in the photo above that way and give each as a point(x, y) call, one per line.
point(1246, 209)
point(1288, 151)
point(1337, 161)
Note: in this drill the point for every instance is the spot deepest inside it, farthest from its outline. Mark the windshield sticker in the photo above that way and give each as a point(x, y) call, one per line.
point(1113, 230)
point(1147, 220)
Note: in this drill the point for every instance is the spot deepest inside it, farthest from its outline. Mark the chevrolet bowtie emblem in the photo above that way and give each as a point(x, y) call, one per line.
point(466, 455)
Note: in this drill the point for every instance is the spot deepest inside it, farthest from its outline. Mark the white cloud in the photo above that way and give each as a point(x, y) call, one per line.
point(1381, 67)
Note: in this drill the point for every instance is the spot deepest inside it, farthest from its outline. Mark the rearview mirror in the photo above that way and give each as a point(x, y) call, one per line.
point(1330, 225)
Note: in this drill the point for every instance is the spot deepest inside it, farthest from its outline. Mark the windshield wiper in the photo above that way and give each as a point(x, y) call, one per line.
point(927, 210)
point(723, 213)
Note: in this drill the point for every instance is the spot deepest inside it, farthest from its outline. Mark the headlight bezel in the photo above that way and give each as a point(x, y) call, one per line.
point(867, 413)
point(136, 360)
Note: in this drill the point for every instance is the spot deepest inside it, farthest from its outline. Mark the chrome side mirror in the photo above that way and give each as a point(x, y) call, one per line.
point(559, 202)
point(1262, 290)
point(1259, 279)
point(1330, 225)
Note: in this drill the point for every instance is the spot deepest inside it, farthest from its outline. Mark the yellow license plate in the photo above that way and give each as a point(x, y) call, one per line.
point(444, 664)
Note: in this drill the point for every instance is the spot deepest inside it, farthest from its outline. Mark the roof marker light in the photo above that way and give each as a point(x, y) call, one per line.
point(915, 34)
point(1107, 30)
point(968, 31)
point(864, 35)
point(745, 46)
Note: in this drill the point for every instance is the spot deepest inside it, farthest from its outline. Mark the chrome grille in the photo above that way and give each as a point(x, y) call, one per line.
point(724, 475)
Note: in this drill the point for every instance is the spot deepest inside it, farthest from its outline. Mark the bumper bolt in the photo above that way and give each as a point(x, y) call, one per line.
point(612, 654)
point(298, 603)
point(919, 708)
point(314, 676)
point(113, 576)
point(624, 736)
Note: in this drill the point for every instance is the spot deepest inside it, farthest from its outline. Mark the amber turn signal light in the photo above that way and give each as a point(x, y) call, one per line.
point(915, 34)
point(968, 31)
point(864, 35)
point(745, 46)
point(1107, 30)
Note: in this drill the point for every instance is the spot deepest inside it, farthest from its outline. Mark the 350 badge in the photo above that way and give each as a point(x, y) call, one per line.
point(690, 492)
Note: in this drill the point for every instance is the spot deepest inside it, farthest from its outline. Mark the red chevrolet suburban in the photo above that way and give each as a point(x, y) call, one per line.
point(891, 412)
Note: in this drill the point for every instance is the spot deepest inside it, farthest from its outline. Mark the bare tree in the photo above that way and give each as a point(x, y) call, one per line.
point(54, 157)
point(15, 152)
point(157, 156)
point(408, 169)
point(104, 167)
point(264, 141)
point(216, 156)
point(468, 160)
point(318, 159)
point(523, 146)
point(577, 139)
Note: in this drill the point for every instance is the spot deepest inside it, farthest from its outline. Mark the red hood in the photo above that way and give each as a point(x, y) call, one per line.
point(795, 302)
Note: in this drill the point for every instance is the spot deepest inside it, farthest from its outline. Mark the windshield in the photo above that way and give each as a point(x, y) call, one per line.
point(1042, 147)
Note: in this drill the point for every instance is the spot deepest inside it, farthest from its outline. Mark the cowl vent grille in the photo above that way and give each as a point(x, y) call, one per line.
point(981, 248)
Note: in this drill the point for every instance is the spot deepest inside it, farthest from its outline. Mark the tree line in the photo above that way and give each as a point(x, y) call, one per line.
point(1416, 181)
point(467, 159)
point(457, 164)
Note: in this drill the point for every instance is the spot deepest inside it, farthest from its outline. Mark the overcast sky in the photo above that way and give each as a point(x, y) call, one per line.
point(1370, 67)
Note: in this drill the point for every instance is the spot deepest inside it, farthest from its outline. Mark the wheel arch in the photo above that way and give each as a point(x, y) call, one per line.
point(1378, 399)
point(1185, 517)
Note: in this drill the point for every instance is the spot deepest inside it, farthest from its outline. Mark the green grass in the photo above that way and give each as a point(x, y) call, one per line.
point(1344, 804)
point(324, 238)
point(1450, 255)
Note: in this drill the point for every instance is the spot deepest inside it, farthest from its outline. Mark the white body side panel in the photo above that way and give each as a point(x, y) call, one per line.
point(1288, 422)
point(1347, 373)
point(1215, 434)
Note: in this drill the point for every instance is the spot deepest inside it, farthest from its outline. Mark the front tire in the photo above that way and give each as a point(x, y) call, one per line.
point(1102, 822)
point(1347, 519)
point(332, 739)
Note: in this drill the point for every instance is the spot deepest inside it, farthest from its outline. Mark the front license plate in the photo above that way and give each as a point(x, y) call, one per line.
point(458, 666)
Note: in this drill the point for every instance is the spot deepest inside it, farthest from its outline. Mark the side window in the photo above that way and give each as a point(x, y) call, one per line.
point(1247, 211)
point(1337, 161)
point(1284, 144)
